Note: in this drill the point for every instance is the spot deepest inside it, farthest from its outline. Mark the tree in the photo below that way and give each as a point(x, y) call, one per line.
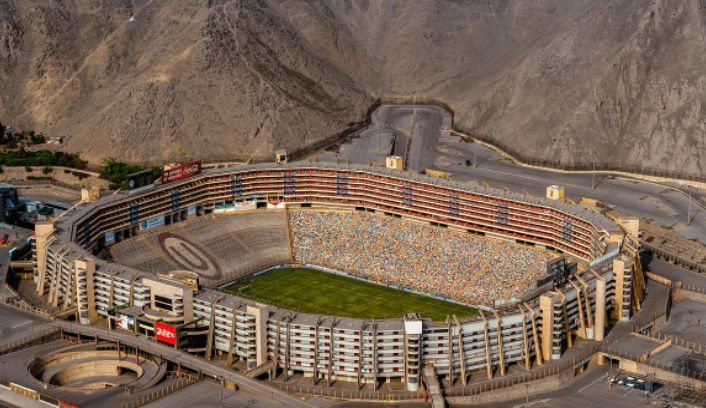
point(44, 158)
point(156, 172)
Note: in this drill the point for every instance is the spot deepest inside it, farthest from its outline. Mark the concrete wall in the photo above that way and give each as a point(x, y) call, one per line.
point(104, 368)
point(47, 188)
point(61, 174)
point(547, 383)
point(682, 294)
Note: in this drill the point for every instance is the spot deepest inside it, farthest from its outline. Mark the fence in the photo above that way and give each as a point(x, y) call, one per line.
point(658, 252)
point(510, 381)
point(694, 289)
point(19, 303)
point(25, 183)
point(33, 394)
point(350, 394)
point(42, 337)
point(185, 381)
point(647, 326)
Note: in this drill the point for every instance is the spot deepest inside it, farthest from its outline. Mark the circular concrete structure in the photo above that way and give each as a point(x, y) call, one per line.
point(83, 368)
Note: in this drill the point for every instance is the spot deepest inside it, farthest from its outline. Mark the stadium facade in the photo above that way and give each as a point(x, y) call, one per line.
point(175, 309)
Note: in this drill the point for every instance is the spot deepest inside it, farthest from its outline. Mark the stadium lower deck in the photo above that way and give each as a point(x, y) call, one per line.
point(459, 240)
point(455, 265)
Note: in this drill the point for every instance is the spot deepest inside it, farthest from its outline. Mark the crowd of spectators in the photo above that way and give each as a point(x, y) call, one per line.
point(462, 266)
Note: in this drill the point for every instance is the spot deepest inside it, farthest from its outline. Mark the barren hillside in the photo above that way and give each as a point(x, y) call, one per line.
point(555, 78)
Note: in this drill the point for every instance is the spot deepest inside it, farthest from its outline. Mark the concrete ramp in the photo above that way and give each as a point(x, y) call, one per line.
point(433, 388)
point(261, 369)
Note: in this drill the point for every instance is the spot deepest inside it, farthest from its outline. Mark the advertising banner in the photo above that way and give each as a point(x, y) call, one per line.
point(192, 210)
point(245, 205)
point(181, 172)
point(274, 203)
point(152, 222)
point(125, 322)
point(224, 208)
point(165, 333)
point(109, 237)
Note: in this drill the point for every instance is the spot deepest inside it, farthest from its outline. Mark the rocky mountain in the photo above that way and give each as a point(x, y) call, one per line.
point(556, 79)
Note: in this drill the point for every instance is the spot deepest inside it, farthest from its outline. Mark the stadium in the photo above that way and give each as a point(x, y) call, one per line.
point(519, 277)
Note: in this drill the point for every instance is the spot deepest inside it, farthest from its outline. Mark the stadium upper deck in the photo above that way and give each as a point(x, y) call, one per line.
point(501, 214)
point(539, 329)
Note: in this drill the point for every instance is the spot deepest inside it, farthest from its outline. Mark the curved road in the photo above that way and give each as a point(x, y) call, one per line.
point(432, 147)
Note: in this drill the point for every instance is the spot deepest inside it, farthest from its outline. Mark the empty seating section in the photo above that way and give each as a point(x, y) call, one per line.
point(461, 266)
point(137, 254)
point(241, 244)
point(262, 231)
point(231, 254)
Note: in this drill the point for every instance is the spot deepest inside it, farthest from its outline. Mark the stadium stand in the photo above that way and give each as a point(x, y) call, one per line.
point(461, 266)
point(238, 244)
point(263, 231)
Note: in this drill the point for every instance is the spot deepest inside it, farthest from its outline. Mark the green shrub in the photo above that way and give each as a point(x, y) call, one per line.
point(117, 172)
point(28, 169)
point(156, 172)
point(35, 178)
point(46, 169)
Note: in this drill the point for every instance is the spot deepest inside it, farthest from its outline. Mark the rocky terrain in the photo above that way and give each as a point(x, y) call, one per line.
point(557, 79)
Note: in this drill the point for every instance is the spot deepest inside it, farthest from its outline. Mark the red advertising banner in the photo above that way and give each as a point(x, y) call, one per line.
point(165, 333)
point(181, 172)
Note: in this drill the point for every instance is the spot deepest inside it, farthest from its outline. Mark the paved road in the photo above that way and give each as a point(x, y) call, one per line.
point(673, 272)
point(585, 391)
point(191, 361)
point(206, 395)
point(17, 325)
point(430, 148)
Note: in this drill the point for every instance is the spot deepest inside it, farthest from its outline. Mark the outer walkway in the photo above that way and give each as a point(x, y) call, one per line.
point(189, 361)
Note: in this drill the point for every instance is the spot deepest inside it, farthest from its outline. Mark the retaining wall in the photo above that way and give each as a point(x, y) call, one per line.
point(66, 175)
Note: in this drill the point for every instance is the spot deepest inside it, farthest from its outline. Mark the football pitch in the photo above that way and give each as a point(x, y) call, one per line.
point(317, 292)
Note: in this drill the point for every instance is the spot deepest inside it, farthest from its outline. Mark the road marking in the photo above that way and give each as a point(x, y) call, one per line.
point(22, 324)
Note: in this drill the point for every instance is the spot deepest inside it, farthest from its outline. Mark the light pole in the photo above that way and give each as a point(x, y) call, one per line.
point(593, 177)
point(527, 387)
point(414, 109)
point(688, 220)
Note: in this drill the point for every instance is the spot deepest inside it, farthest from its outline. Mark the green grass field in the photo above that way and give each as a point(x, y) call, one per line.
point(317, 292)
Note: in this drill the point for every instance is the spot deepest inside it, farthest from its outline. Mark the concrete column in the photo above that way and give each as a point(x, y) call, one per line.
point(451, 353)
point(211, 328)
point(316, 349)
point(460, 350)
point(524, 336)
point(586, 289)
point(487, 346)
point(375, 358)
point(43, 231)
point(233, 331)
point(582, 321)
point(599, 327)
point(501, 353)
point(569, 340)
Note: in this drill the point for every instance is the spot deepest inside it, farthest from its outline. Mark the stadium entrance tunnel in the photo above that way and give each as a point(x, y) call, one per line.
point(94, 368)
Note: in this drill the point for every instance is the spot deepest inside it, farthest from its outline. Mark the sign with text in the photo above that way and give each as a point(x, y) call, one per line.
point(181, 172)
point(165, 333)
point(152, 222)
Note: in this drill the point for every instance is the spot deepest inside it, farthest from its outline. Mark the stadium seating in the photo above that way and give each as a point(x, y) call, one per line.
point(241, 244)
point(461, 266)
